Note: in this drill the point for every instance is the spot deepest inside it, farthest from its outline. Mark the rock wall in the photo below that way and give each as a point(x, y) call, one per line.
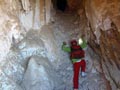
point(18, 17)
point(103, 35)
point(73, 5)
point(36, 13)
point(101, 28)
point(10, 25)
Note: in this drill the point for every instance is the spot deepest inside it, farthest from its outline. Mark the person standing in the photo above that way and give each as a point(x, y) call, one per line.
point(77, 55)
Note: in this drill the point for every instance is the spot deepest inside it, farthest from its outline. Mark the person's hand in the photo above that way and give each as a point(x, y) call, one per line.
point(64, 43)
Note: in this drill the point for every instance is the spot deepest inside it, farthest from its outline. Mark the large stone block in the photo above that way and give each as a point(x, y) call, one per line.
point(39, 75)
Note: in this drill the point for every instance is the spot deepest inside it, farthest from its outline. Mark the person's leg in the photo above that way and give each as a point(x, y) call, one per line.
point(76, 67)
point(83, 67)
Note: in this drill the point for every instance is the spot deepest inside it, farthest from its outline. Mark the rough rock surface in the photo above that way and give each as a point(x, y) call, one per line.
point(17, 17)
point(23, 42)
point(14, 65)
point(48, 37)
point(103, 30)
point(40, 75)
point(10, 25)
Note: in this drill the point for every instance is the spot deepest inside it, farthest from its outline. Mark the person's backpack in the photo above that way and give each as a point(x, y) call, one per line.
point(76, 52)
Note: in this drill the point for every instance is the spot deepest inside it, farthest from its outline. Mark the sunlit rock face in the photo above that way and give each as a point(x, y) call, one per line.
point(35, 13)
point(104, 37)
point(10, 25)
point(18, 17)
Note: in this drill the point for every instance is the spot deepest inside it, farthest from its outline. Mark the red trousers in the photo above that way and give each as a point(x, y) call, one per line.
point(77, 66)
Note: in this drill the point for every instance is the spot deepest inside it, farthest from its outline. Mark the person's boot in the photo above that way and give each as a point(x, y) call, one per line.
point(75, 89)
point(83, 74)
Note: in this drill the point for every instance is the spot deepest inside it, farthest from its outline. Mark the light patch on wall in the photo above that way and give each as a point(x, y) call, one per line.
point(107, 23)
point(97, 34)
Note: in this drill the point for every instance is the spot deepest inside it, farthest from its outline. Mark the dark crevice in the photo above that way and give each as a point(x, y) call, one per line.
point(60, 4)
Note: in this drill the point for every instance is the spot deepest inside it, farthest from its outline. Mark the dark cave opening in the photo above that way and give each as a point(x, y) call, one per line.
point(61, 5)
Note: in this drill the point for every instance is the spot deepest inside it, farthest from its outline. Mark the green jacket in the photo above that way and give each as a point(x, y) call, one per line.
point(68, 49)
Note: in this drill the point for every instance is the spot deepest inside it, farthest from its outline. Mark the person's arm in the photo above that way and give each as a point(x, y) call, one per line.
point(83, 44)
point(66, 48)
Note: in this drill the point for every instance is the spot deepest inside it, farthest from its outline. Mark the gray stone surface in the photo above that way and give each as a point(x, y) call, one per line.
point(39, 75)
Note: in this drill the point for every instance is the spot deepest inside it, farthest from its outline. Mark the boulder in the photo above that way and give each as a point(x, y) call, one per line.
point(39, 75)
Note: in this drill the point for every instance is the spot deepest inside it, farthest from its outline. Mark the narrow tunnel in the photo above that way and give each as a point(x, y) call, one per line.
point(62, 4)
point(32, 36)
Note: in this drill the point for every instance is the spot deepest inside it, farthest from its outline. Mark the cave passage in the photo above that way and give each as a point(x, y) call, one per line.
point(33, 33)
point(61, 5)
